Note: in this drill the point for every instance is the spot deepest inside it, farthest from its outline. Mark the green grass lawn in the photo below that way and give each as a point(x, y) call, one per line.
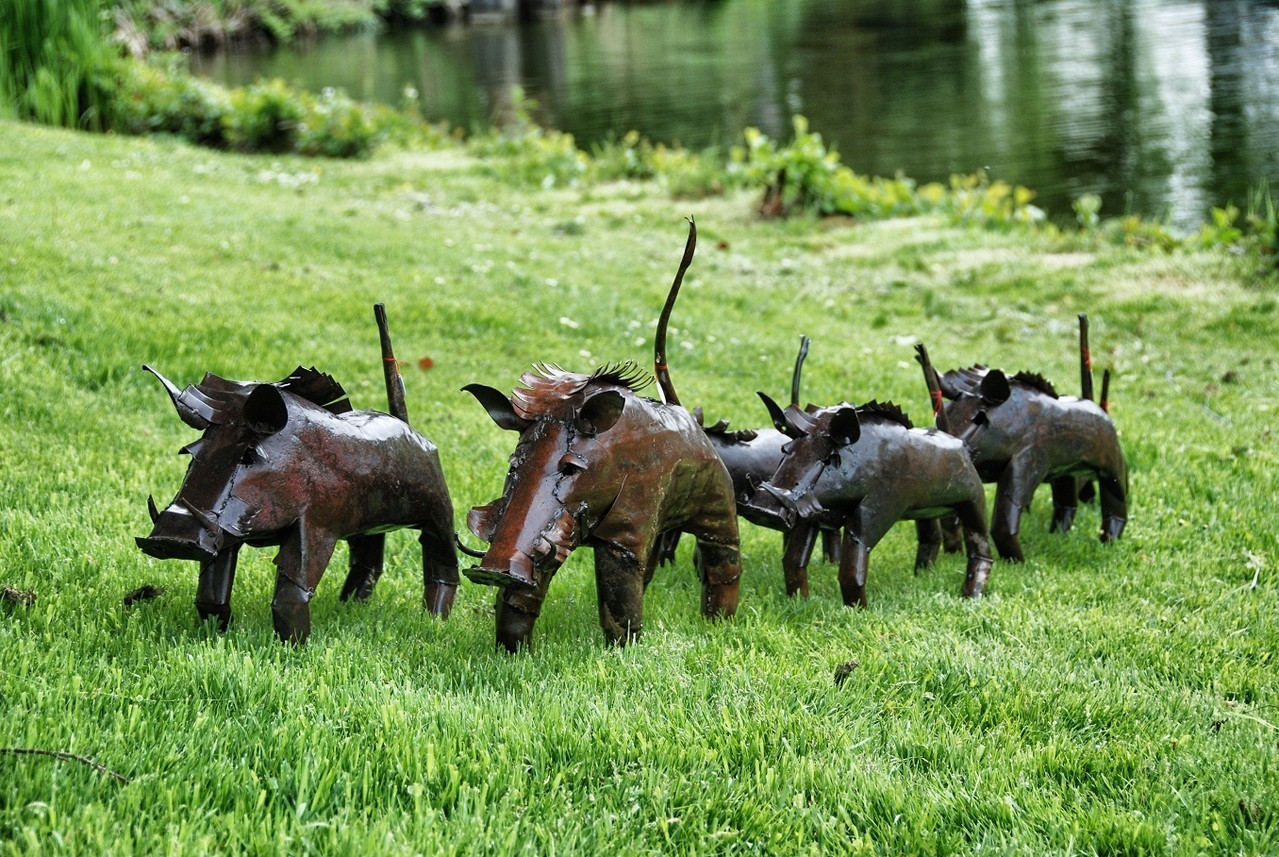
point(1110, 700)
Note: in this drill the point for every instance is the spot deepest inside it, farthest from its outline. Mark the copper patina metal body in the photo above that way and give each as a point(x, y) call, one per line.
point(291, 464)
point(862, 469)
point(599, 466)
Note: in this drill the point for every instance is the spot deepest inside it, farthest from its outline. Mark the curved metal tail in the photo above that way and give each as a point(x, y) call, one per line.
point(934, 389)
point(799, 368)
point(660, 369)
point(390, 368)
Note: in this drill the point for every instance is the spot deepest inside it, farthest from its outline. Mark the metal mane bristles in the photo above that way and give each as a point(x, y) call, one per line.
point(627, 374)
point(739, 435)
point(957, 382)
point(1036, 381)
point(887, 410)
point(549, 387)
point(318, 388)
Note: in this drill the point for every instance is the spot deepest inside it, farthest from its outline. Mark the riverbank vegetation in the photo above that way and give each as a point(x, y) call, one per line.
point(167, 25)
point(58, 66)
point(1100, 699)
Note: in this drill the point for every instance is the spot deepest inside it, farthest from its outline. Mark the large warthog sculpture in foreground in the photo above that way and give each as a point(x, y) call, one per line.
point(291, 464)
point(862, 469)
point(599, 466)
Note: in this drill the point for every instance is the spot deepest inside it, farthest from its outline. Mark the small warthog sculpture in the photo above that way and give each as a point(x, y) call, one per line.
point(1021, 433)
point(291, 464)
point(863, 469)
point(599, 466)
point(751, 457)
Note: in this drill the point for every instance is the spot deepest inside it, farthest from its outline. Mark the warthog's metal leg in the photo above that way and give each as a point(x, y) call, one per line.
point(213, 593)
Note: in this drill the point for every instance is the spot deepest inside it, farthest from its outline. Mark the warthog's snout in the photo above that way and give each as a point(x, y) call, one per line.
point(517, 570)
point(178, 534)
point(771, 504)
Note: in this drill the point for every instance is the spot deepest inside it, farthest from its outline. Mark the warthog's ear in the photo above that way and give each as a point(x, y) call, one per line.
point(774, 411)
point(192, 409)
point(791, 422)
point(265, 411)
point(498, 406)
point(994, 388)
point(845, 428)
point(600, 412)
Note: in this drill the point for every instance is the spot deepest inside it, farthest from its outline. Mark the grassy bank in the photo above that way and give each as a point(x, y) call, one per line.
point(1099, 700)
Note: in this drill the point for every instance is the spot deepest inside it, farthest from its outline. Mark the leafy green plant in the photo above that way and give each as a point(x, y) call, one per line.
point(1087, 211)
point(335, 126)
point(976, 199)
point(799, 176)
point(805, 176)
point(167, 25)
point(521, 150)
point(263, 117)
point(168, 100)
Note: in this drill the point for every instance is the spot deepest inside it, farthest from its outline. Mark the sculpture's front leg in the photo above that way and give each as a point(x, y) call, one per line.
point(852, 569)
point(517, 612)
point(619, 585)
point(213, 593)
point(300, 563)
point(719, 565)
point(797, 547)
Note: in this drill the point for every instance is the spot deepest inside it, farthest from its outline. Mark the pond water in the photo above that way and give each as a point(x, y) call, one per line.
point(1163, 107)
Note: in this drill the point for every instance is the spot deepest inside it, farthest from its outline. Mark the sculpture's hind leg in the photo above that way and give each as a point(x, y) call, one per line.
point(664, 549)
point(952, 534)
point(830, 546)
point(973, 516)
point(619, 585)
point(929, 533)
point(366, 566)
point(852, 569)
point(1016, 486)
point(439, 563)
point(1064, 504)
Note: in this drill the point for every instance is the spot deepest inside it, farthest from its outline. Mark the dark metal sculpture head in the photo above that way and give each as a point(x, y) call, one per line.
point(562, 480)
point(236, 419)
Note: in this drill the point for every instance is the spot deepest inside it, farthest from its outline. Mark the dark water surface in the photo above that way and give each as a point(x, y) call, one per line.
point(1164, 107)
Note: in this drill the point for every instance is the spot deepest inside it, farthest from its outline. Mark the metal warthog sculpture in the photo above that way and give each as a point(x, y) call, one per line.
point(291, 464)
point(862, 469)
point(752, 456)
point(1021, 433)
point(599, 466)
